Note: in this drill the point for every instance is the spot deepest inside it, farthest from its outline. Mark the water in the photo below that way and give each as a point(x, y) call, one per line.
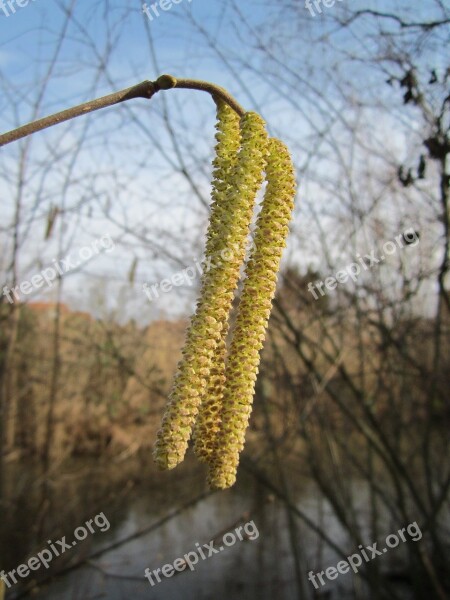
point(133, 497)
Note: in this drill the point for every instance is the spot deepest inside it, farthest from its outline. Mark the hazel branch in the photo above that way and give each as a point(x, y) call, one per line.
point(145, 89)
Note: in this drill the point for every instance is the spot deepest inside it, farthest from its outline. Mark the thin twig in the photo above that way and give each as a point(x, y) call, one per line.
point(211, 88)
point(145, 89)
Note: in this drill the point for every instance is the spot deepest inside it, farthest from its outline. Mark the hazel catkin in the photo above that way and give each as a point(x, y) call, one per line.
point(234, 195)
point(253, 315)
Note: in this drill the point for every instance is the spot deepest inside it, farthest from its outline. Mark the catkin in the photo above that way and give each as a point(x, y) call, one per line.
point(235, 194)
point(253, 315)
point(207, 424)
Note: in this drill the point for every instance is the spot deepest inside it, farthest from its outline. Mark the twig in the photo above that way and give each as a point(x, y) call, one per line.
point(145, 89)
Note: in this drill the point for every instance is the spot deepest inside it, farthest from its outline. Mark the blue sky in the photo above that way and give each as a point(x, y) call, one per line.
point(30, 37)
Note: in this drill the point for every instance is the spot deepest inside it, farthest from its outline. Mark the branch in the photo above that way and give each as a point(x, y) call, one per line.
point(403, 24)
point(204, 86)
point(145, 89)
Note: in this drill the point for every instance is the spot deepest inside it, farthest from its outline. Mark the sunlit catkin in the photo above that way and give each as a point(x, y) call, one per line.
point(253, 314)
point(206, 424)
point(229, 229)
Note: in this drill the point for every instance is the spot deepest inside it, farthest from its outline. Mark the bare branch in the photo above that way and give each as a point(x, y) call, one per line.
point(145, 89)
point(403, 24)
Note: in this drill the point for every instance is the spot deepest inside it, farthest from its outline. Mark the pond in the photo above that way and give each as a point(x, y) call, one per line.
point(135, 521)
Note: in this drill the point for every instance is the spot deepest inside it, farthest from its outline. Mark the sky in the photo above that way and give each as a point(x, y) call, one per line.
point(29, 39)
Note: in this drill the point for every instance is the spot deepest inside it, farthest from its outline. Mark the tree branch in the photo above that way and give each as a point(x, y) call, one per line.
point(403, 24)
point(145, 89)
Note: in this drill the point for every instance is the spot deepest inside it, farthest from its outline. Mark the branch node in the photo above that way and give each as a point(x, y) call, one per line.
point(166, 82)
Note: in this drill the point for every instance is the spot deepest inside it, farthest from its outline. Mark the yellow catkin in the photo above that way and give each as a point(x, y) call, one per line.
point(228, 138)
point(207, 424)
point(229, 228)
point(253, 315)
